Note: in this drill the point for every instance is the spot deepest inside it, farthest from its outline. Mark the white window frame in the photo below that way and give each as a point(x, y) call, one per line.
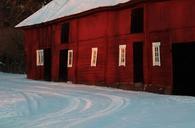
point(122, 56)
point(40, 57)
point(70, 58)
point(156, 57)
point(94, 54)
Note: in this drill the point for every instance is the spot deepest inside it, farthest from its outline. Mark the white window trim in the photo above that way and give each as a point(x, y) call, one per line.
point(156, 45)
point(122, 62)
point(69, 65)
point(40, 57)
point(94, 60)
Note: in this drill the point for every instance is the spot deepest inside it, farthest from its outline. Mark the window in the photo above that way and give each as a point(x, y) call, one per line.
point(94, 53)
point(137, 20)
point(156, 53)
point(70, 58)
point(40, 57)
point(122, 55)
point(65, 33)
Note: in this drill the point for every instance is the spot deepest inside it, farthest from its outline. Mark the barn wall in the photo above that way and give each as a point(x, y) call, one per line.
point(93, 26)
point(104, 30)
point(35, 39)
point(86, 73)
point(171, 15)
point(28, 56)
point(165, 21)
point(168, 22)
point(161, 76)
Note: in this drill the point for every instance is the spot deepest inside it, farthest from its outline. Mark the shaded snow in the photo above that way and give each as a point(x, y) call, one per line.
point(34, 104)
point(61, 8)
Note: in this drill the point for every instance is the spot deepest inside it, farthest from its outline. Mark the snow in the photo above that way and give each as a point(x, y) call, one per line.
point(61, 8)
point(37, 104)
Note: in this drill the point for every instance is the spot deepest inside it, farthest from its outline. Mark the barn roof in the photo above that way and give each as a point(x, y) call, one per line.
point(62, 8)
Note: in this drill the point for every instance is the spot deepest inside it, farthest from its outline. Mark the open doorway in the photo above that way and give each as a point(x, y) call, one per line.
point(47, 64)
point(137, 20)
point(63, 76)
point(183, 69)
point(138, 62)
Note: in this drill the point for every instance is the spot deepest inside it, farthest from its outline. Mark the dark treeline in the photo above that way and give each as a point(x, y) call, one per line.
point(11, 39)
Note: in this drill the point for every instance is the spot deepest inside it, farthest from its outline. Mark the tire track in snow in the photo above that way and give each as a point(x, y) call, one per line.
point(83, 105)
point(115, 103)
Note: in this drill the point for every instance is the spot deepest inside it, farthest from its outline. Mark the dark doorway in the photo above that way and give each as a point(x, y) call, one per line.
point(47, 64)
point(63, 65)
point(183, 69)
point(65, 33)
point(137, 20)
point(138, 62)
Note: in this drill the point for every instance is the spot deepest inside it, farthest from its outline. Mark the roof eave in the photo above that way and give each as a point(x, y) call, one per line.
point(85, 13)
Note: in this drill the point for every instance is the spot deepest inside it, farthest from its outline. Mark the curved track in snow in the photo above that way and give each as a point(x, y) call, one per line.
point(33, 104)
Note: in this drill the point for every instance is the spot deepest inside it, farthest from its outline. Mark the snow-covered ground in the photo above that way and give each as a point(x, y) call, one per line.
point(34, 104)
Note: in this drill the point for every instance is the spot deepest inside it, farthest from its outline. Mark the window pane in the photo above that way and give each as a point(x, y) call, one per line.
point(70, 58)
point(122, 55)
point(156, 53)
point(94, 56)
point(40, 57)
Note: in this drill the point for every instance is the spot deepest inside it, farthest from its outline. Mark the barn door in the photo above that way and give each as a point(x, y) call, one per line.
point(63, 65)
point(138, 62)
point(183, 68)
point(47, 64)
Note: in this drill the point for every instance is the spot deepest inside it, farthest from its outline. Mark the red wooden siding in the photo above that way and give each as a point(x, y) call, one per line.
point(167, 22)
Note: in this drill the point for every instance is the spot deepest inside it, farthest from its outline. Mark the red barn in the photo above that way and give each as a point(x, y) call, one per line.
point(130, 44)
